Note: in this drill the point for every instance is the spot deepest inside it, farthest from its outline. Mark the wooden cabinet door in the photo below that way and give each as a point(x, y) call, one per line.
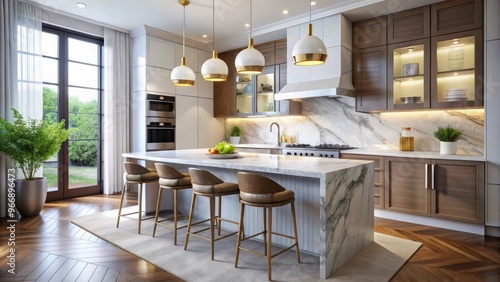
point(370, 32)
point(225, 91)
point(458, 191)
point(267, 49)
point(406, 186)
point(378, 189)
point(455, 16)
point(409, 25)
point(370, 79)
point(280, 51)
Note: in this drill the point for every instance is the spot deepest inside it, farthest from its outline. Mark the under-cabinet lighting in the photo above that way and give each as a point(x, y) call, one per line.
point(455, 41)
point(455, 73)
point(81, 5)
point(410, 50)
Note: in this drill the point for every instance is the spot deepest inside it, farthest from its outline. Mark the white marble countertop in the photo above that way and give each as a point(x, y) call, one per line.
point(260, 146)
point(414, 154)
point(279, 164)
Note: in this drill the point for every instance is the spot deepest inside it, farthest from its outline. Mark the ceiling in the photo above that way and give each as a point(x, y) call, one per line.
point(230, 15)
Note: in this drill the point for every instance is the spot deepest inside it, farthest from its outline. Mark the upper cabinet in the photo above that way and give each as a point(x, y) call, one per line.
point(370, 33)
point(456, 16)
point(250, 95)
point(409, 25)
point(458, 70)
point(434, 57)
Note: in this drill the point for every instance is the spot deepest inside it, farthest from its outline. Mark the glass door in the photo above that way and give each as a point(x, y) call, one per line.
point(244, 94)
point(408, 83)
point(457, 78)
point(265, 103)
point(72, 91)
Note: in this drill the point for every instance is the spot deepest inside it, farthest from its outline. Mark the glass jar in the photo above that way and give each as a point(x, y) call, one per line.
point(405, 139)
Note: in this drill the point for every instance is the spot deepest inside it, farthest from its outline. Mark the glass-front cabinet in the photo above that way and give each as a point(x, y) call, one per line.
point(255, 93)
point(457, 75)
point(409, 67)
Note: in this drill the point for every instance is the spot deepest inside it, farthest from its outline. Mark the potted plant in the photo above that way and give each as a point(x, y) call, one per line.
point(29, 143)
point(448, 136)
point(235, 132)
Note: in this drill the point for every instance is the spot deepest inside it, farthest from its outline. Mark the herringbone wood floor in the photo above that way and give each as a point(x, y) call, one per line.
point(50, 248)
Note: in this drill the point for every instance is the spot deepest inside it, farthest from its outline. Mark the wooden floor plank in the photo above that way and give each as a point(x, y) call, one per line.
point(75, 271)
point(63, 270)
point(52, 269)
point(99, 274)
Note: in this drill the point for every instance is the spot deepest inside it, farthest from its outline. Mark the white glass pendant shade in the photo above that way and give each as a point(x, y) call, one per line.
point(182, 75)
point(214, 69)
point(309, 51)
point(250, 60)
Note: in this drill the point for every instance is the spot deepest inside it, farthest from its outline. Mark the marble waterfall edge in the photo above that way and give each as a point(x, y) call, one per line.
point(348, 223)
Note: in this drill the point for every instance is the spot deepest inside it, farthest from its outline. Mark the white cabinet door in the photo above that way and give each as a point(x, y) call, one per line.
point(160, 53)
point(205, 88)
point(191, 57)
point(492, 104)
point(186, 122)
point(158, 80)
point(210, 129)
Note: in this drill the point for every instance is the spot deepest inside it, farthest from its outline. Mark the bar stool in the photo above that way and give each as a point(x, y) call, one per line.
point(262, 192)
point(170, 178)
point(208, 185)
point(136, 174)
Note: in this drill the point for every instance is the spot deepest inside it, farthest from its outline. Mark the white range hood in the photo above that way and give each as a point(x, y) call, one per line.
point(332, 79)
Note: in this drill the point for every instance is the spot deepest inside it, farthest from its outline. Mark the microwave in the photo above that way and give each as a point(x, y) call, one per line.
point(160, 106)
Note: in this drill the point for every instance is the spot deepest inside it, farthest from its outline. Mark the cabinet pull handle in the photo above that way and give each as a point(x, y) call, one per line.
point(432, 174)
point(426, 176)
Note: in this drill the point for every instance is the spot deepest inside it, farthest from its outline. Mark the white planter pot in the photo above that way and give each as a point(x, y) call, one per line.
point(448, 148)
point(234, 139)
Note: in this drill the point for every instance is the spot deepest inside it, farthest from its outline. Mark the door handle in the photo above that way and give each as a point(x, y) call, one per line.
point(432, 174)
point(426, 175)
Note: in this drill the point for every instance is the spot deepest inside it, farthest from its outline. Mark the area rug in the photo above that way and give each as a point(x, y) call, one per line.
point(380, 261)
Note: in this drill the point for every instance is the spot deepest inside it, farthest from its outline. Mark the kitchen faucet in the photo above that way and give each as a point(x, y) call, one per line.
point(271, 129)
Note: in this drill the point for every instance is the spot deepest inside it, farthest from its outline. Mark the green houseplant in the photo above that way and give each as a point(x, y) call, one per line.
point(235, 132)
point(29, 143)
point(448, 136)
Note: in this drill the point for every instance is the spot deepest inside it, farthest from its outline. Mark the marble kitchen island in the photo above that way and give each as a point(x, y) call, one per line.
point(334, 198)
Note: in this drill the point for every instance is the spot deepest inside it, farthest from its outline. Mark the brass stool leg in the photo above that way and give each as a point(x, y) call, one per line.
point(295, 230)
point(264, 220)
point(220, 215)
point(160, 191)
point(140, 210)
point(191, 210)
point(240, 229)
point(212, 223)
point(269, 233)
point(121, 203)
point(175, 216)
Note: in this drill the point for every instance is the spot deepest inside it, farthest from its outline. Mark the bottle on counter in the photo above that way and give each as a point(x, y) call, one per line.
point(405, 139)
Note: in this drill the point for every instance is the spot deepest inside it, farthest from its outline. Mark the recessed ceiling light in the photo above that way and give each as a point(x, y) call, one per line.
point(247, 25)
point(205, 36)
point(81, 5)
point(285, 12)
point(313, 3)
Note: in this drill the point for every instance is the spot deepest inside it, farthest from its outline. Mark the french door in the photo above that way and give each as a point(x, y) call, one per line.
point(72, 90)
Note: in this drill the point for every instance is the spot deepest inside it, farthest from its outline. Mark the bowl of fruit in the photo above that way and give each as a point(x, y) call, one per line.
point(223, 150)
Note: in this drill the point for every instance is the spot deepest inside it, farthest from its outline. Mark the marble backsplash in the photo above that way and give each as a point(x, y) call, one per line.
point(334, 120)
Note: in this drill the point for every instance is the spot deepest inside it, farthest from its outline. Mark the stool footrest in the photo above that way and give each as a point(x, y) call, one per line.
point(263, 255)
point(208, 238)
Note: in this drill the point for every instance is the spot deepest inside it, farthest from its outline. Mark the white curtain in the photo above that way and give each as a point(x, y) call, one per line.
point(20, 70)
point(116, 133)
point(29, 98)
point(8, 82)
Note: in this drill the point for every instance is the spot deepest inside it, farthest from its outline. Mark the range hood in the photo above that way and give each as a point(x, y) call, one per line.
point(332, 79)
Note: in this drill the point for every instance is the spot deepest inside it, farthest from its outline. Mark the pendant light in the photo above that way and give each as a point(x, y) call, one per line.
point(183, 75)
point(250, 60)
point(310, 50)
point(214, 69)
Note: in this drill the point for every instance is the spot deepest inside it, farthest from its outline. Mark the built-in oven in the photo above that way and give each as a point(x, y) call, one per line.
point(160, 106)
point(160, 133)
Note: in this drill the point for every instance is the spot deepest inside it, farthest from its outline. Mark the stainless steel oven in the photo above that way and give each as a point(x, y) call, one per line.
point(160, 106)
point(160, 133)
